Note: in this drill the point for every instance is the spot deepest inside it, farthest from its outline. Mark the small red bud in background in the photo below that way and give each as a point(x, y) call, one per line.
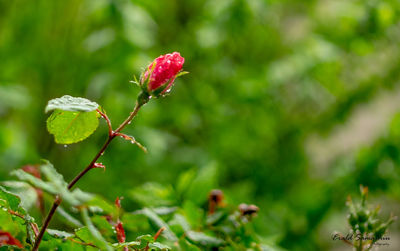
point(161, 73)
point(119, 228)
point(120, 232)
point(118, 202)
point(248, 210)
point(215, 199)
point(7, 239)
point(34, 170)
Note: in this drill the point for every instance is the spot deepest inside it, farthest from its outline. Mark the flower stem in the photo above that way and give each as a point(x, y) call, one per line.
point(111, 136)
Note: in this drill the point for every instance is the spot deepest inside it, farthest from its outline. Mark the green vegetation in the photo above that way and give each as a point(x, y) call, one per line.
point(289, 105)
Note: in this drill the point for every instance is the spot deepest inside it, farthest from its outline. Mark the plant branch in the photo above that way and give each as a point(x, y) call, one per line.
point(111, 136)
point(110, 131)
point(155, 237)
point(129, 119)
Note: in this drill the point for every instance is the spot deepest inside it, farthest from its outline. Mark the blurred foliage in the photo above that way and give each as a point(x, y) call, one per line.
point(183, 225)
point(265, 77)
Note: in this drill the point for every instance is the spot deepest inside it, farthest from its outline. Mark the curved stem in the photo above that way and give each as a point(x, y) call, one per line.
point(107, 120)
point(129, 119)
point(111, 136)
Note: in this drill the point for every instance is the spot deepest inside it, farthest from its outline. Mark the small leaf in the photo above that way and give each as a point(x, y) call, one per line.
point(127, 244)
point(69, 219)
point(25, 191)
point(146, 238)
point(203, 239)
point(153, 194)
point(132, 140)
point(181, 73)
point(205, 181)
point(185, 180)
point(94, 234)
point(159, 246)
point(55, 184)
point(9, 200)
point(7, 238)
point(58, 233)
point(179, 224)
point(105, 228)
point(187, 246)
point(72, 104)
point(154, 218)
point(71, 127)
point(119, 228)
point(102, 206)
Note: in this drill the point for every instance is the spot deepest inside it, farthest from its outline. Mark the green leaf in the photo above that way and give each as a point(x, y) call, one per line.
point(194, 214)
point(126, 244)
point(100, 205)
point(153, 195)
point(9, 200)
point(59, 234)
point(105, 228)
point(187, 246)
point(38, 183)
point(184, 180)
point(146, 238)
point(71, 127)
point(155, 219)
point(158, 246)
point(136, 222)
point(205, 181)
point(19, 226)
point(68, 218)
point(91, 234)
point(203, 239)
point(179, 224)
point(73, 119)
point(55, 184)
point(24, 191)
point(72, 104)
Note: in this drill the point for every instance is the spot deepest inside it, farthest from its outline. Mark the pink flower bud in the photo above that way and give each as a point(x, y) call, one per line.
point(161, 73)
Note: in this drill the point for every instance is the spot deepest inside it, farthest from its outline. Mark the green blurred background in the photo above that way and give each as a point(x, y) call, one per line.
point(295, 103)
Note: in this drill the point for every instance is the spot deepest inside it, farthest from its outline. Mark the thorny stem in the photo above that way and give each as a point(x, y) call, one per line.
point(33, 225)
point(110, 131)
point(129, 119)
point(111, 136)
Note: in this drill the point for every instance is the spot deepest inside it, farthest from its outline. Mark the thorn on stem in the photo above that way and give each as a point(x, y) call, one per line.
point(99, 165)
point(118, 201)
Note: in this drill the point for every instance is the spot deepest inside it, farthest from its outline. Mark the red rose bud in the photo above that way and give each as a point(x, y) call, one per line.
point(161, 73)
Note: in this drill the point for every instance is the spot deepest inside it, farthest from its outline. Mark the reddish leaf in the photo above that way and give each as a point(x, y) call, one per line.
point(7, 239)
point(34, 170)
point(118, 201)
point(120, 232)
